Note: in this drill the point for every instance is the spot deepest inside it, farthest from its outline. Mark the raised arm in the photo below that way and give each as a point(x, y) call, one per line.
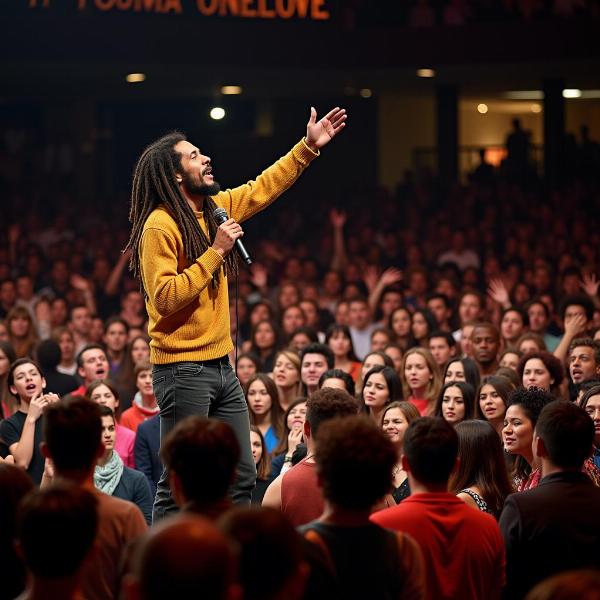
point(246, 200)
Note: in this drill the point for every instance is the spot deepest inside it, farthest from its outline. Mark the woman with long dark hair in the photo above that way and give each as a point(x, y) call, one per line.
point(262, 461)
point(381, 387)
point(265, 343)
point(400, 324)
point(339, 340)
point(263, 406)
point(456, 402)
point(481, 479)
point(423, 324)
point(492, 399)
point(462, 369)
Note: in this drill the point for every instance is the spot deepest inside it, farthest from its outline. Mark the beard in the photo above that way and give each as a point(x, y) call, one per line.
point(203, 189)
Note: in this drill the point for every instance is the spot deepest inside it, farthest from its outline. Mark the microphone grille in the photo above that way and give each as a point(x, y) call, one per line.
point(220, 215)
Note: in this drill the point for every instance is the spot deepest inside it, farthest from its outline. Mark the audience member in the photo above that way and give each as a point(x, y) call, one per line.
point(380, 387)
point(265, 537)
point(22, 431)
point(316, 359)
point(73, 443)
point(462, 547)
point(296, 492)
point(264, 409)
point(262, 461)
point(14, 486)
point(395, 420)
point(105, 394)
point(420, 379)
point(481, 479)
point(64, 512)
point(354, 466)
point(146, 451)
point(92, 364)
point(207, 444)
point(144, 404)
point(550, 529)
point(492, 401)
point(48, 355)
point(112, 477)
point(455, 402)
point(184, 557)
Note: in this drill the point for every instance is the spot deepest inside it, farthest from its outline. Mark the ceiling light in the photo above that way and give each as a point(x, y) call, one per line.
point(366, 93)
point(231, 90)
point(482, 108)
point(571, 93)
point(536, 108)
point(135, 77)
point(428, 73)
point(217, 113)
point(524, 95)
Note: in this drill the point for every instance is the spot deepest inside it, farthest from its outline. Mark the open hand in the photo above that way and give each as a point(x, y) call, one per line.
point(589, 284)
point(320, 133)
point(497, 291)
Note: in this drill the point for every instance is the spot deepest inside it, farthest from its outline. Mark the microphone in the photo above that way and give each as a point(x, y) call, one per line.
point(220, 216)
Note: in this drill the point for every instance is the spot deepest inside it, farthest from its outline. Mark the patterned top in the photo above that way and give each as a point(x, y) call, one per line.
point(589, 468)
point(482, 505)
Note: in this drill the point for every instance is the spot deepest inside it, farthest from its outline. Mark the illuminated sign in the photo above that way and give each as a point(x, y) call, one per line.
point(315, 10)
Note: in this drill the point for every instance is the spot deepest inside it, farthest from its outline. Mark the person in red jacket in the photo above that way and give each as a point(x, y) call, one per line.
point(144, 403)
point(462, 547)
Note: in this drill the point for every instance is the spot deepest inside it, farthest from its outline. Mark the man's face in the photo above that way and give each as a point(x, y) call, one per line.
point(438, 307)
point(469, 308)
point(537, 318)
point(95, 365)
point(438, 346)
point(197, 178)
point(485, 345)
point(115, 337)
point(582, 364)
point(81, 320)
point(358, 315)
point(313, 366)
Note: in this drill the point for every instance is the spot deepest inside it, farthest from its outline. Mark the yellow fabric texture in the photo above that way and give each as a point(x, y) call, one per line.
point(188, 317)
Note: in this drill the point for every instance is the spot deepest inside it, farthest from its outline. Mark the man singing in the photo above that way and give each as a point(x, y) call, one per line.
point(183, 259)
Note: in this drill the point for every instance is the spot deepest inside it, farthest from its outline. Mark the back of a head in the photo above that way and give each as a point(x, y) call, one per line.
point(430, 447)
point(264, 537)
point(185, 557)
point(328, 403)
point(567, 432)
point(48, 354)
point(583, 584)
point(354, 461)
point(15, 483)
point(204, 454)
point(72, 431)
point(64, 514)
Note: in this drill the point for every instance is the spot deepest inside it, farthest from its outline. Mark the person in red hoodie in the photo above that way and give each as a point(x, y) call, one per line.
point(144, 403)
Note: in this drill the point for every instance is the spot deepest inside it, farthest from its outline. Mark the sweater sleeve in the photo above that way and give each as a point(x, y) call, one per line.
point(248, 199)
point(168, 290)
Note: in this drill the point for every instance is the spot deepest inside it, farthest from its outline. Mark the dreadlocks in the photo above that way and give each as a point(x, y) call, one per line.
point(154, 183)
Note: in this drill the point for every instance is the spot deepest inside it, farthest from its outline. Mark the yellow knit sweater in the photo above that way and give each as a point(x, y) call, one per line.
point(188, 317)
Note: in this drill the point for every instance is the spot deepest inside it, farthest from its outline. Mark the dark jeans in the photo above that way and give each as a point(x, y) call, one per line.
point(206, 389)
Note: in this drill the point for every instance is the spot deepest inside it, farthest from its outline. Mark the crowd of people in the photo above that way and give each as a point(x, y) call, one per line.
point(423, 386)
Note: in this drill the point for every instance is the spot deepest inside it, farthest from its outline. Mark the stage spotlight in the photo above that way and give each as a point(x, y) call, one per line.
point(217, 113)
point(135, 77)
point(427, 73)
point(571, 93)
point(231, 90)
